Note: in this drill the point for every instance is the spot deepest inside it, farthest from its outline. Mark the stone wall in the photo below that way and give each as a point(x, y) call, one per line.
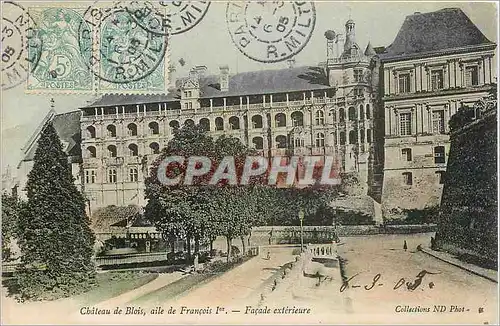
point(468, 215)
point(323, 234)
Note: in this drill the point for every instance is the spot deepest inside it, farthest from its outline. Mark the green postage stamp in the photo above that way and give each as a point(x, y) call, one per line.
point(97, 50)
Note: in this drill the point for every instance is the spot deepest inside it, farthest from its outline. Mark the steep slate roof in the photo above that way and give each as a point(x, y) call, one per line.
point(241, 84)
point(432, 32)
point(67, 126)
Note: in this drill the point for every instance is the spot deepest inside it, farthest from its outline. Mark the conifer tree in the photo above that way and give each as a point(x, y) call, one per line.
point(54, 235)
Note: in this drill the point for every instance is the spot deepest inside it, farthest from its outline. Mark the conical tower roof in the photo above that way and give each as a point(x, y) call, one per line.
point(369, 51)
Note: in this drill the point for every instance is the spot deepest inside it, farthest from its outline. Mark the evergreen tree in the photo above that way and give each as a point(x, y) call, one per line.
point(54, 234)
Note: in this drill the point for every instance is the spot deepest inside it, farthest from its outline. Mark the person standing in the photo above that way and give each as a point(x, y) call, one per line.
point(405, 246)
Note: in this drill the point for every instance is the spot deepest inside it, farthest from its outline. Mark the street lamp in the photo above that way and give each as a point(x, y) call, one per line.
point(301, 218)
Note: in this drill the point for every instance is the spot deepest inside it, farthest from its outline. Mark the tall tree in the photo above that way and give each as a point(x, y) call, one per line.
point(178, 210)
point(54, 234)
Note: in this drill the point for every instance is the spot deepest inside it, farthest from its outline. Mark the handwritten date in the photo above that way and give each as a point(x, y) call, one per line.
point(411, 286)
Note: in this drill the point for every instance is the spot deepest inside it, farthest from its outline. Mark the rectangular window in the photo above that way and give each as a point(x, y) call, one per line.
point(437, 78)
point(90, 176)
point(405, 124)
point(406, 153)
point(358, 75)
point(439, 155)
point(471, 76)
point(358, 92)
point(438, 122)
point(133, 175)
point(440, 175)
point(112, 176)
point(404, 83)
point(408, 178)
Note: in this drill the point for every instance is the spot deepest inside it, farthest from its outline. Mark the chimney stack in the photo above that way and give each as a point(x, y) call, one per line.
point(201, 70)
point(224, 78)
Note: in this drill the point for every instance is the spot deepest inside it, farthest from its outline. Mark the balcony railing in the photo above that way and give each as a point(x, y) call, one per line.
point(207, 109)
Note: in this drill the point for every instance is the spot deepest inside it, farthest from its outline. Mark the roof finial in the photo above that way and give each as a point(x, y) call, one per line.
point(52, 105)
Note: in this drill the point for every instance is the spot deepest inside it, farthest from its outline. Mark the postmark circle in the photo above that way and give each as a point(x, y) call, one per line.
point(184, 15)
point(270, 31)
point(122, 50)
point(21, 45)
point(149, 16)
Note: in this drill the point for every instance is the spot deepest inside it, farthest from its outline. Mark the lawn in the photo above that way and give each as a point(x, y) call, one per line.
point(191, 281)
point(113, 284)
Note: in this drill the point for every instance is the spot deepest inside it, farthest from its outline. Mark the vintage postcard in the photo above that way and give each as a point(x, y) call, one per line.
point(249, 162)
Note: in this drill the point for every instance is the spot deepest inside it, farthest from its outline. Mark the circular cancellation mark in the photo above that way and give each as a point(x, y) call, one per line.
point(122, 50)
point(270, 31)
point(21, 45)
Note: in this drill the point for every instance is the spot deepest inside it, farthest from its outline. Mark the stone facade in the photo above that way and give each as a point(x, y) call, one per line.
point(382, 112)
point(327, 110)
point(421, 89)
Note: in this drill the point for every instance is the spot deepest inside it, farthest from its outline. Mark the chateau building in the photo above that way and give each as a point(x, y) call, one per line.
point(322, 110)
point(381, 112)
point(438, 63)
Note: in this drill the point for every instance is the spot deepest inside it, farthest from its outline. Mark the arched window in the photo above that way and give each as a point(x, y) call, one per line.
point(334, 138)
point(281, 141)
point(133, 150)
point(132, 129)
point(342, 138)
point(154, 148)
point(111, 130)
point(256, 121)
point(174, 124)
point(91, 132)
point(362, 135)
point(353, 138)
point(333, 113)
point(341, 115)
point(258, 143)
point(205, 124)
point(280, 120)
point(189, 122)
point(91, 151)
point(368, 135)
point(320, 139)
point(352, 113)
point(234, 122)
point(368, 114)
point(320, 117)
point(219, 123)
point(112, 151)
point(154, 129)
point(298, 119)
point(361, 112)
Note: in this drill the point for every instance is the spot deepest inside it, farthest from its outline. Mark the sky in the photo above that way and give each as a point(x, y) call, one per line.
point(209, 44)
